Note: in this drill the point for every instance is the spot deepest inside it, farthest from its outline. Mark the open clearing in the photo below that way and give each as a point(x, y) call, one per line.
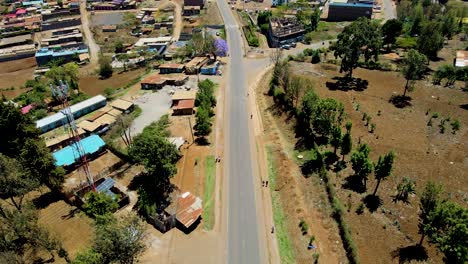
point(16, 73)
point(423, 154)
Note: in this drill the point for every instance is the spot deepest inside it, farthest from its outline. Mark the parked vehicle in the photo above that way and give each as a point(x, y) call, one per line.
point(285, 47)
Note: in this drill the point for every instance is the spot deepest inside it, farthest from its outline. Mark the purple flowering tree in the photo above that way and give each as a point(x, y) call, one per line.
point(221, 47)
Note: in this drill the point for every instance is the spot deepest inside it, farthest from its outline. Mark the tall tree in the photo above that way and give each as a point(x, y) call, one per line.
point(315, 19)
point(346, 142)
point(431, 40)
point(383, 168)
point(430, 199)
point(417, 18)
point(308, 104)
point(372, 34)
point(120, 240)
point(203, 122)
point(15, 181)
point(22, 239)
point(67, 73)
point(449, 24)
point(390, 31)
point(348, 48)
point(449, 231)
point(414, 66)
point(20, 140)
point(99, 203)
point(361, 163)
point(335, 139)
point(295, 89)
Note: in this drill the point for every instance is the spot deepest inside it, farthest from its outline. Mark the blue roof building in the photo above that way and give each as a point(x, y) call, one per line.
point(69, 155)
point(46, 55)
point(349, 11)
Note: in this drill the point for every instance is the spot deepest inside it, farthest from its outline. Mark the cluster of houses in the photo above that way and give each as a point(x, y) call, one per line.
point(58, 23)
point(288, 29)
point(110, 4)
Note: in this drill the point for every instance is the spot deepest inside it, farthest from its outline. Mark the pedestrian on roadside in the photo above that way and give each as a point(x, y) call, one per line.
point(251, 116)
point(272, 229)
point(263, 183)
point(266, 184)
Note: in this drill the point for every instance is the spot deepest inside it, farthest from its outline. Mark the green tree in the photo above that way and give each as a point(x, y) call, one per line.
point(348, 47)
point(20, 140)
point(449, 231)
point(417, 18)
point(67, 73)
point(22, 239)
point(372, 34)
point(361, 163)
point(295, 89)
point(335, 139)
point(315, 57)
point(346, 142)
point(431, 40)
point(327, 114)
point(15, 181)
point(429, 201)
point(390, 31)
point(307, 108)
point(120, 240)
point(404, 189)
point(315, 19)
point(105, 68)
point(414, 66)
point(263, 21)
point(99, 203)
point(205, 93)
point(118, 47)
point(383, 168)
point(203, 122)
point(449, 24)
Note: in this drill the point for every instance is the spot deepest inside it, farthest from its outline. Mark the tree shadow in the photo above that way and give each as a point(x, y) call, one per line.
point(410, 253)
point(347, 84)
point(47, 199)
point(202, 141)
point(400, 101)
point(311, 166)
point(354, 183)
point(464, 106)
point(372, 202)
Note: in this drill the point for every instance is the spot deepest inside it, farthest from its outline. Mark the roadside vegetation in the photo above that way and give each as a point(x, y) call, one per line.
point(209, 193)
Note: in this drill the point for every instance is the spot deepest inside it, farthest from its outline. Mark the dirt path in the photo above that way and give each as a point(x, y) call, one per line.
point(93, 47)
point(177, 18)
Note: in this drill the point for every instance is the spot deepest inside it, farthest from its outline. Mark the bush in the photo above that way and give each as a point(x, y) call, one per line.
point(105, 69)
point(98, 204)
point(315, 56)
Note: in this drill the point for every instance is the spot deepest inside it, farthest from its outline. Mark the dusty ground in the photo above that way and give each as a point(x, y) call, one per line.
point(422, 154)
point(92, 85)
point(16, 73)
point(298, 198)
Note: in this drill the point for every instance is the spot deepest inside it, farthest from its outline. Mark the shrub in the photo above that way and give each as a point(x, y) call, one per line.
point(406, 42)
point(455, 126)
point(315, 56)
point(360, 209)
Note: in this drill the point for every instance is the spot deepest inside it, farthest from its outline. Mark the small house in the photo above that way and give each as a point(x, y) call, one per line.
point(210, 69)
point(171, 68)
point(184, 107)
point(194, 66)
point(176, 79)
point(191, 10)
point(183, 95)
point(123, 105)
point(68, 157)
point(153, 82)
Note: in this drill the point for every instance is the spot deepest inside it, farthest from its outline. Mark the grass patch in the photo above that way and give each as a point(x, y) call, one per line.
point(406, 42)
point(208, 197)
point(284, 242)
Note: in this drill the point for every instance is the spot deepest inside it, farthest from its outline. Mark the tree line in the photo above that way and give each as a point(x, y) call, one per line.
point(205, 101)
point(322, 131)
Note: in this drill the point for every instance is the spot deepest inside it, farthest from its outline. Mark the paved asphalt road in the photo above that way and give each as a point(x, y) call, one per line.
point(243, 242)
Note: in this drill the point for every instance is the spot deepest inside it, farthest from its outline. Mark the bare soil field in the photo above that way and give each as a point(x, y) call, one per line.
point(422, 153)
point(92, 85)
point(16, 73)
